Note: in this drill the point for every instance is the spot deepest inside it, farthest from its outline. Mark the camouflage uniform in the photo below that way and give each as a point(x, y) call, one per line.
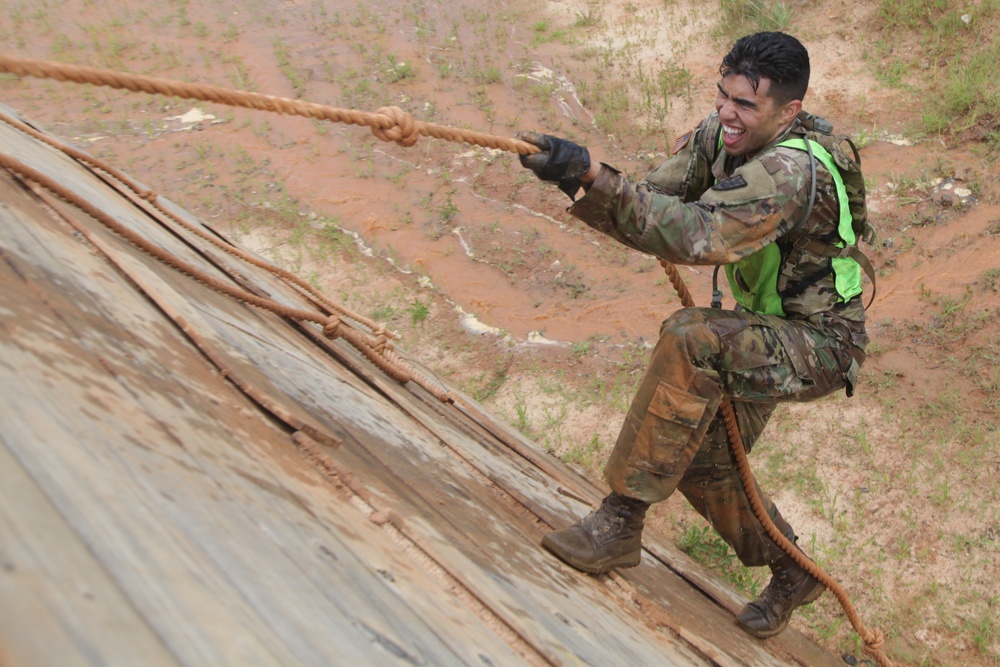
point(703, 206)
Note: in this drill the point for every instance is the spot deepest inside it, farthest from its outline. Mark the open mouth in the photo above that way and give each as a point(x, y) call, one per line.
point(730, 135)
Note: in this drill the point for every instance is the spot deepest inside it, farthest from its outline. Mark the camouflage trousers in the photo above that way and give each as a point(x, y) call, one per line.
point(674, 436)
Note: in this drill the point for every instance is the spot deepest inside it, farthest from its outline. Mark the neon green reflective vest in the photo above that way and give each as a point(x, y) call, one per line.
point(759, 271)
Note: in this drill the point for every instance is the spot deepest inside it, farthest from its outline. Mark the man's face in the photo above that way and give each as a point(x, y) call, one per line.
point(750, 118)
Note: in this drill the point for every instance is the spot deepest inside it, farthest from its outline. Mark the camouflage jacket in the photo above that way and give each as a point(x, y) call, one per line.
point(703, 206)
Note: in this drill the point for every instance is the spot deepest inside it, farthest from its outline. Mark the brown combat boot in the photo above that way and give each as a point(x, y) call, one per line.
point(607, 538)
point(790, 587)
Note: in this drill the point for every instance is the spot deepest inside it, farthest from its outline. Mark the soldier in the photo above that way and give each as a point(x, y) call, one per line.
point(746, 191)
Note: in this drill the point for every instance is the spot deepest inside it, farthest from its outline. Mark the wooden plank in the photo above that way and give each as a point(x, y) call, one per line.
point(294, 368)
point(492, 563)
point(520, 473)
point(558, 497)
point(71, 403)
point(521, 480)
point(380, 584)
point(60, 602)
point(166, 575)
point(340, 610)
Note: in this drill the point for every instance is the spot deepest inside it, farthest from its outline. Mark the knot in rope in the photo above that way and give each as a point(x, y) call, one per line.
point(399, 126)
point(874, 644)
point(332, 327)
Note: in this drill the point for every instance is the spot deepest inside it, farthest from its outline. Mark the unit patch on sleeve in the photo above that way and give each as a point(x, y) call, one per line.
point(681, 142)
point(734, 183)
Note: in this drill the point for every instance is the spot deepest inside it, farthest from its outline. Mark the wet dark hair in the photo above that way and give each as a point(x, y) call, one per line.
point(775, 55)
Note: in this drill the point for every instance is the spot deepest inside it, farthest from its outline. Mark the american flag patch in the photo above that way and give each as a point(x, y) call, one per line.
point(681, 142)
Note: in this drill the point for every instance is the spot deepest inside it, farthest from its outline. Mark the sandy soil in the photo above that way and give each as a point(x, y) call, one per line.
point(497, 290)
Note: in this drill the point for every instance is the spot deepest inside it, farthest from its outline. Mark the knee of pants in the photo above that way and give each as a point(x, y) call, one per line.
point(689, 333)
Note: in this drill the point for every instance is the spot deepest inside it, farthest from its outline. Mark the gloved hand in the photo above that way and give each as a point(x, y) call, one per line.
point(560, 161)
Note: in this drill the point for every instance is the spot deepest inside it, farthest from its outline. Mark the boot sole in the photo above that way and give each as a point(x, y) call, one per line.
point(593, 567)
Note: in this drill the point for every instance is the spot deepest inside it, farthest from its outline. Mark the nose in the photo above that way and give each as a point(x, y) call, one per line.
point(725, 108)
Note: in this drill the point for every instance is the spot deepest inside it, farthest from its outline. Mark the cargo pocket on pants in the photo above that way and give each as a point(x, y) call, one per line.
point(763, 363)
point(664, 437)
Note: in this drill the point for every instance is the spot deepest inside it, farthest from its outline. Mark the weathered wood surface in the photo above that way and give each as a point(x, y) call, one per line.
point(141, 484)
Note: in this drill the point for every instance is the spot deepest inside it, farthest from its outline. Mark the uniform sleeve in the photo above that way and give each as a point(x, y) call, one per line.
point(688, 171)
point(758, 204)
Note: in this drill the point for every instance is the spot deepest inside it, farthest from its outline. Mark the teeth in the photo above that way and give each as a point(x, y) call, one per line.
point(731, 130)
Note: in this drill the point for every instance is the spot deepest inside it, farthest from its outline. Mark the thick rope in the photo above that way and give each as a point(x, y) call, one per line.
point(388, 123)
point(375, 348)
point(873, 639)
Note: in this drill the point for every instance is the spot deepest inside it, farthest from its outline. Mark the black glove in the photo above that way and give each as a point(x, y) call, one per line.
point(560, 161)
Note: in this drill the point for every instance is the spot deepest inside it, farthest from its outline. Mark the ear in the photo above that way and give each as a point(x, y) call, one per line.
point(790, 111)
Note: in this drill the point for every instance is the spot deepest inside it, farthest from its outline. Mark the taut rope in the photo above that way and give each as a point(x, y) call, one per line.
point(388, 124)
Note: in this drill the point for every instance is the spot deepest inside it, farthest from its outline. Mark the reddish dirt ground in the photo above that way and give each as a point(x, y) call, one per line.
point(449, 225)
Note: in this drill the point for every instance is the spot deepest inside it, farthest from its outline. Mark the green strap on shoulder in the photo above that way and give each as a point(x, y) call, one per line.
point(846, 269)
point(841, 255)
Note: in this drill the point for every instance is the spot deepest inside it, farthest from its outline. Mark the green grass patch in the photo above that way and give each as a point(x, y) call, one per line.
point(705, 546)
point(743, 17)
point(948, 52)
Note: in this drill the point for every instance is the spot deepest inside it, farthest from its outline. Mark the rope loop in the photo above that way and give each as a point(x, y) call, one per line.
point(399, 127)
